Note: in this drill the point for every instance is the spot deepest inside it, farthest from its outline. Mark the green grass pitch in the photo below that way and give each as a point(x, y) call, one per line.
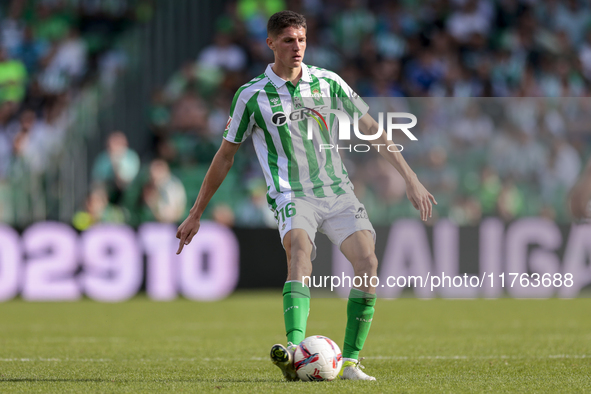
point(422, 346)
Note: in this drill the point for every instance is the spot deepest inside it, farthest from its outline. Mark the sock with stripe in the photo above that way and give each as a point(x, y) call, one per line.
point(296, 307)
point(360, 309)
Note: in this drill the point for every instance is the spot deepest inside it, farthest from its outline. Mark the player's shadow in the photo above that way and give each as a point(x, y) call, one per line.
point(242, 380)
point(54, 380)
point(27, 380)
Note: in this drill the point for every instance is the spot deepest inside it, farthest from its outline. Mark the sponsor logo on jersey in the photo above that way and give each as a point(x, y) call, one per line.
point(309, 112)
point(342, 122)
point(279, 118)
point(275, 102)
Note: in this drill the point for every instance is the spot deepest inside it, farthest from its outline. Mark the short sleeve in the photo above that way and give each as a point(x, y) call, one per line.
point(350, 101)
point(240, 122)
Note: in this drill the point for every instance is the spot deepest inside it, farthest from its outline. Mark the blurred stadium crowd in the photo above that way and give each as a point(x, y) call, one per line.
point(515, 152)
point(50, 49)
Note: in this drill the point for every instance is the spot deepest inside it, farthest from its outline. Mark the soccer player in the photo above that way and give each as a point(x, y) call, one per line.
point(308, 187)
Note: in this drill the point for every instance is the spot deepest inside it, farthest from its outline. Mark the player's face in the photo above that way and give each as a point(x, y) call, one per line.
point(289, 46)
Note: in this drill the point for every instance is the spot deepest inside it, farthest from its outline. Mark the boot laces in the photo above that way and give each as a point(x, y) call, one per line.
point(358, 363)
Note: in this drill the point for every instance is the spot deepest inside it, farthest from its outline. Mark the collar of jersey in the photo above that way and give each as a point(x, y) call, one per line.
point(279, 82)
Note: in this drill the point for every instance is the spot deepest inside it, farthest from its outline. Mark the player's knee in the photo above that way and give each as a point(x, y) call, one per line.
point(373, 264)
point(298, 254)
point(366, 264)
point(300, 259)
point(296, 240)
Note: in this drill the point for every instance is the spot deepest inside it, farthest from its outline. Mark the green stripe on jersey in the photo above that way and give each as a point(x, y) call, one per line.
point(271, 201)
point(310, 152)
point(286, 142)
point(245, 119)
point(329, 167)
point(271, 150)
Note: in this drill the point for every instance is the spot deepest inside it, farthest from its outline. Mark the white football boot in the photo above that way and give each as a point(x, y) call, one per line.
point(352, 370)
point(283, 357)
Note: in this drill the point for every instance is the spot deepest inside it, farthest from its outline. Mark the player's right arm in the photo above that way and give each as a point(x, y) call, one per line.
point(239, 127)
point(221, 164)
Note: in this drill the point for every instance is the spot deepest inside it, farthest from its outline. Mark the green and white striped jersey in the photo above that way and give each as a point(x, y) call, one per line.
point(293, 164)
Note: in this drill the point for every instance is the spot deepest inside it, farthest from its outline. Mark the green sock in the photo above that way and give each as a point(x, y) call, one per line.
point(296, 307)
point(360, 309)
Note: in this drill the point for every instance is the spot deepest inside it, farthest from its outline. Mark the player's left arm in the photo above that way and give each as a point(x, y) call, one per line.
point(581, 194)
point(418, 195)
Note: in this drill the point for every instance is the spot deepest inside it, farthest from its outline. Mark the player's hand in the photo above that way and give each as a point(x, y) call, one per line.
point(187, 231)
point(420, 198)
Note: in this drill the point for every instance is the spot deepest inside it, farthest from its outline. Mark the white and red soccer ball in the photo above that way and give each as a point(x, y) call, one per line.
point(317, 358)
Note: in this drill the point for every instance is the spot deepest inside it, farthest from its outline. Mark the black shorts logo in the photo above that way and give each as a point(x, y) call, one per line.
point(361, 213)
point(279, 119)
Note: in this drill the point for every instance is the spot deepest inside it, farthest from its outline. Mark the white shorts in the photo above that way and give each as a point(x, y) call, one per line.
point(336, 216)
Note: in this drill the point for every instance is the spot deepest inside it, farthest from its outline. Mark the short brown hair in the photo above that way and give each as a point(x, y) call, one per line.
point(283, 19)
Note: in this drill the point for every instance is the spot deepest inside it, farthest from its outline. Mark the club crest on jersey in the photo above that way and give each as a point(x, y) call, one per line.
point(316, 93)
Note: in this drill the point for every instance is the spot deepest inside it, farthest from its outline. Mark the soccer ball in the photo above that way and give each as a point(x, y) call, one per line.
point(317, 358)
